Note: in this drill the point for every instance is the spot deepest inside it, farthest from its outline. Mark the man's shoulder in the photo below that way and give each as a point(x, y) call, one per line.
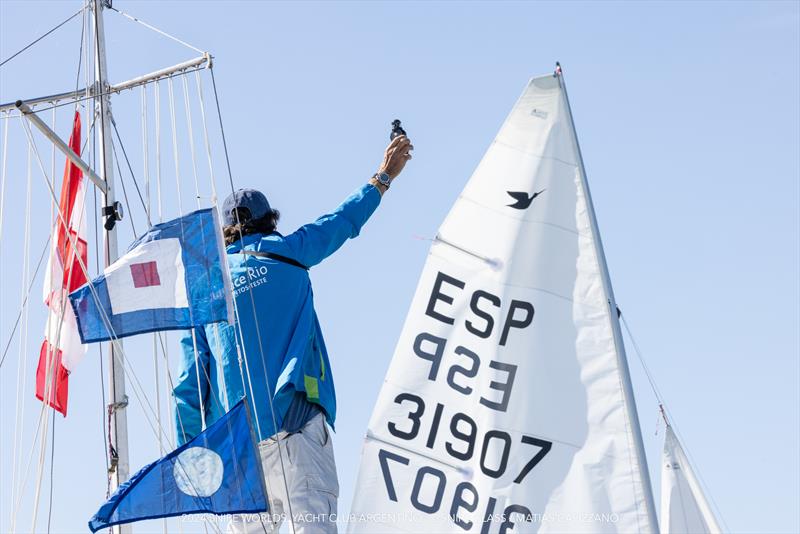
point(256, 242)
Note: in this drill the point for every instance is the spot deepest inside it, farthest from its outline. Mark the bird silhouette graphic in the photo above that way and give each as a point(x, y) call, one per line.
point(522, 200)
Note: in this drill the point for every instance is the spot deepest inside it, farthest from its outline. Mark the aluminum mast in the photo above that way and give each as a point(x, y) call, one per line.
point(119, 469)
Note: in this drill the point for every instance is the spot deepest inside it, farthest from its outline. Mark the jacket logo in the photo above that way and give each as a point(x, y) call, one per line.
point(522, 200)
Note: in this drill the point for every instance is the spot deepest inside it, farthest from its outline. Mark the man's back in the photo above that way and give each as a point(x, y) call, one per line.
point(274, 353)
point(277, 334)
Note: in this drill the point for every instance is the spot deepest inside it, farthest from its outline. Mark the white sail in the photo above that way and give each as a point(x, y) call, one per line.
point(684, 508)
point(504, 405)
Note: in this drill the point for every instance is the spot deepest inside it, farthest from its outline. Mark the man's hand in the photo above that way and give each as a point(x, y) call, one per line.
point(397, 154)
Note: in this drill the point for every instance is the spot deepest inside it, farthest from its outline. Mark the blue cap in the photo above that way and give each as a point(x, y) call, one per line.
point(253, 200)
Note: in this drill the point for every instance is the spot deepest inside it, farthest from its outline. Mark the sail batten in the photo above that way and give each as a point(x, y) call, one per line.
point(505, 404)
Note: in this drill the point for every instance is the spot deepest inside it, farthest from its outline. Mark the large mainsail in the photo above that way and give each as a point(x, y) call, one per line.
point(507, 403)
point(684, 508)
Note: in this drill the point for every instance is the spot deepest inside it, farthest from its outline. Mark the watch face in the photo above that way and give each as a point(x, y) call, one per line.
point(384, 178)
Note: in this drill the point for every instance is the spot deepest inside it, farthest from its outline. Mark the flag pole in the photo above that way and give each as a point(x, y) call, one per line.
point(119, 468)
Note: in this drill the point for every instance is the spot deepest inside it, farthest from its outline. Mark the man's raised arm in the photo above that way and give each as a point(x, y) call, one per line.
point(312, 243)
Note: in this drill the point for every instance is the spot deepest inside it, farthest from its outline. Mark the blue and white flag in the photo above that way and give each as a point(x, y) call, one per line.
point(173, 277)
point(217, 472)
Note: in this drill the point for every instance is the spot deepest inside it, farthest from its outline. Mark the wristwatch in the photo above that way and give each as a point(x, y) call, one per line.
point(384, 179)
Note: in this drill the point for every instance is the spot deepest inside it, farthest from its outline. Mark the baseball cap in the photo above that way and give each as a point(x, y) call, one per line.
point(253, 200)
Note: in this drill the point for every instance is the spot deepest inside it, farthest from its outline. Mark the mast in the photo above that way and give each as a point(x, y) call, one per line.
point(119, 469)
point(622, 359)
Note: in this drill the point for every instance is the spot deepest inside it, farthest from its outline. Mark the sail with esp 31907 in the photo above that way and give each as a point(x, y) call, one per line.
point(507, 405)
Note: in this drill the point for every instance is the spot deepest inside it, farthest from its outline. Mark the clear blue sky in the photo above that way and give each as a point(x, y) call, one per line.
point(688, 115)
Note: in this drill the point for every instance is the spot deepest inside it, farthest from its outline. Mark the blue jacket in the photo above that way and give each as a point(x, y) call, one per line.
point(277, 328)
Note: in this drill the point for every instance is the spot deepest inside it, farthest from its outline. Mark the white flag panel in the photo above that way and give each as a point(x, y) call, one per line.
point(503, 405)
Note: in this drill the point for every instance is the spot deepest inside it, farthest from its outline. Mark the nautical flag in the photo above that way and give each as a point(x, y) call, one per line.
point(173, 277)
point(217, 472)
point(61, 349)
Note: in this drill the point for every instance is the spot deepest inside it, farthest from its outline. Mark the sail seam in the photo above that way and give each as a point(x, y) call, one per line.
point(531, 221)
point(535, 155)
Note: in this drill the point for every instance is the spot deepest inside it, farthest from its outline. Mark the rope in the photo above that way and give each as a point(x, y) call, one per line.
point(52, 161)
point(647, 372)
point(27, 296)
point(57, 26)
point(146, 173)
point(124, 189)
point(190, 130)
point(90, 95)
point(3, 178)
point(130, 170)
point(80, 50)
point(171, 101)
point(21, 363)
point(214, 197)
point(146, 170)
point(106, 437)
point(136, 383)
point(52, 348)
point(214, 202)
point(671, 422)
point(175, 158)
point(278, 439)
point(24, 480)
point(145, 155)
point(52, 352)
point(160, 32)
point(104, 317)
point(158, 149)
point(52, 465)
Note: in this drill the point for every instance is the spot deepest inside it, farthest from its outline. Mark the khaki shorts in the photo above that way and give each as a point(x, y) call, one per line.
point(311, 479)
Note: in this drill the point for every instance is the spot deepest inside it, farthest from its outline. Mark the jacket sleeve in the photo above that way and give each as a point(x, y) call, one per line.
point(187, 391)
point(312, 243)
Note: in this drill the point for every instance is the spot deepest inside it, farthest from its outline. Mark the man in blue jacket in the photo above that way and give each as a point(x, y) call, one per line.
point(275, 353)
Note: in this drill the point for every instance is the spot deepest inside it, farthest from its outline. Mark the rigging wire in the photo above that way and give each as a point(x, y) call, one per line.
point(135, 382)
point(3, 178)
point(153, 28)
point(72, 100)
point(176, 160)
point(190, 132)
point(24, 480)
point(671, 420)
point(30, 287)
point(278, 439)
point(12, 56)
point(106, 438)
point(107, 322)
point(21, 363)
point(52, 464)
point(80, 50)
point(51, 361)
point(147, 209)
point(214, 202)
point(130, 170)
point(124, 189)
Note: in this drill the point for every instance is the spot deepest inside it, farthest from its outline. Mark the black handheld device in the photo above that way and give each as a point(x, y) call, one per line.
point(397, 129)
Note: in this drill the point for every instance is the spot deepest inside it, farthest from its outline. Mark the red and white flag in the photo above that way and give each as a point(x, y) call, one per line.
point(62, 349)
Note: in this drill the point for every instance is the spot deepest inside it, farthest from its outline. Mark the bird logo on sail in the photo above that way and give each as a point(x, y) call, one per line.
point(522, 200)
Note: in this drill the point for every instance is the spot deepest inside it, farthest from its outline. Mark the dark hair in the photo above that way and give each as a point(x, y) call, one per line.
point(246, 226)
